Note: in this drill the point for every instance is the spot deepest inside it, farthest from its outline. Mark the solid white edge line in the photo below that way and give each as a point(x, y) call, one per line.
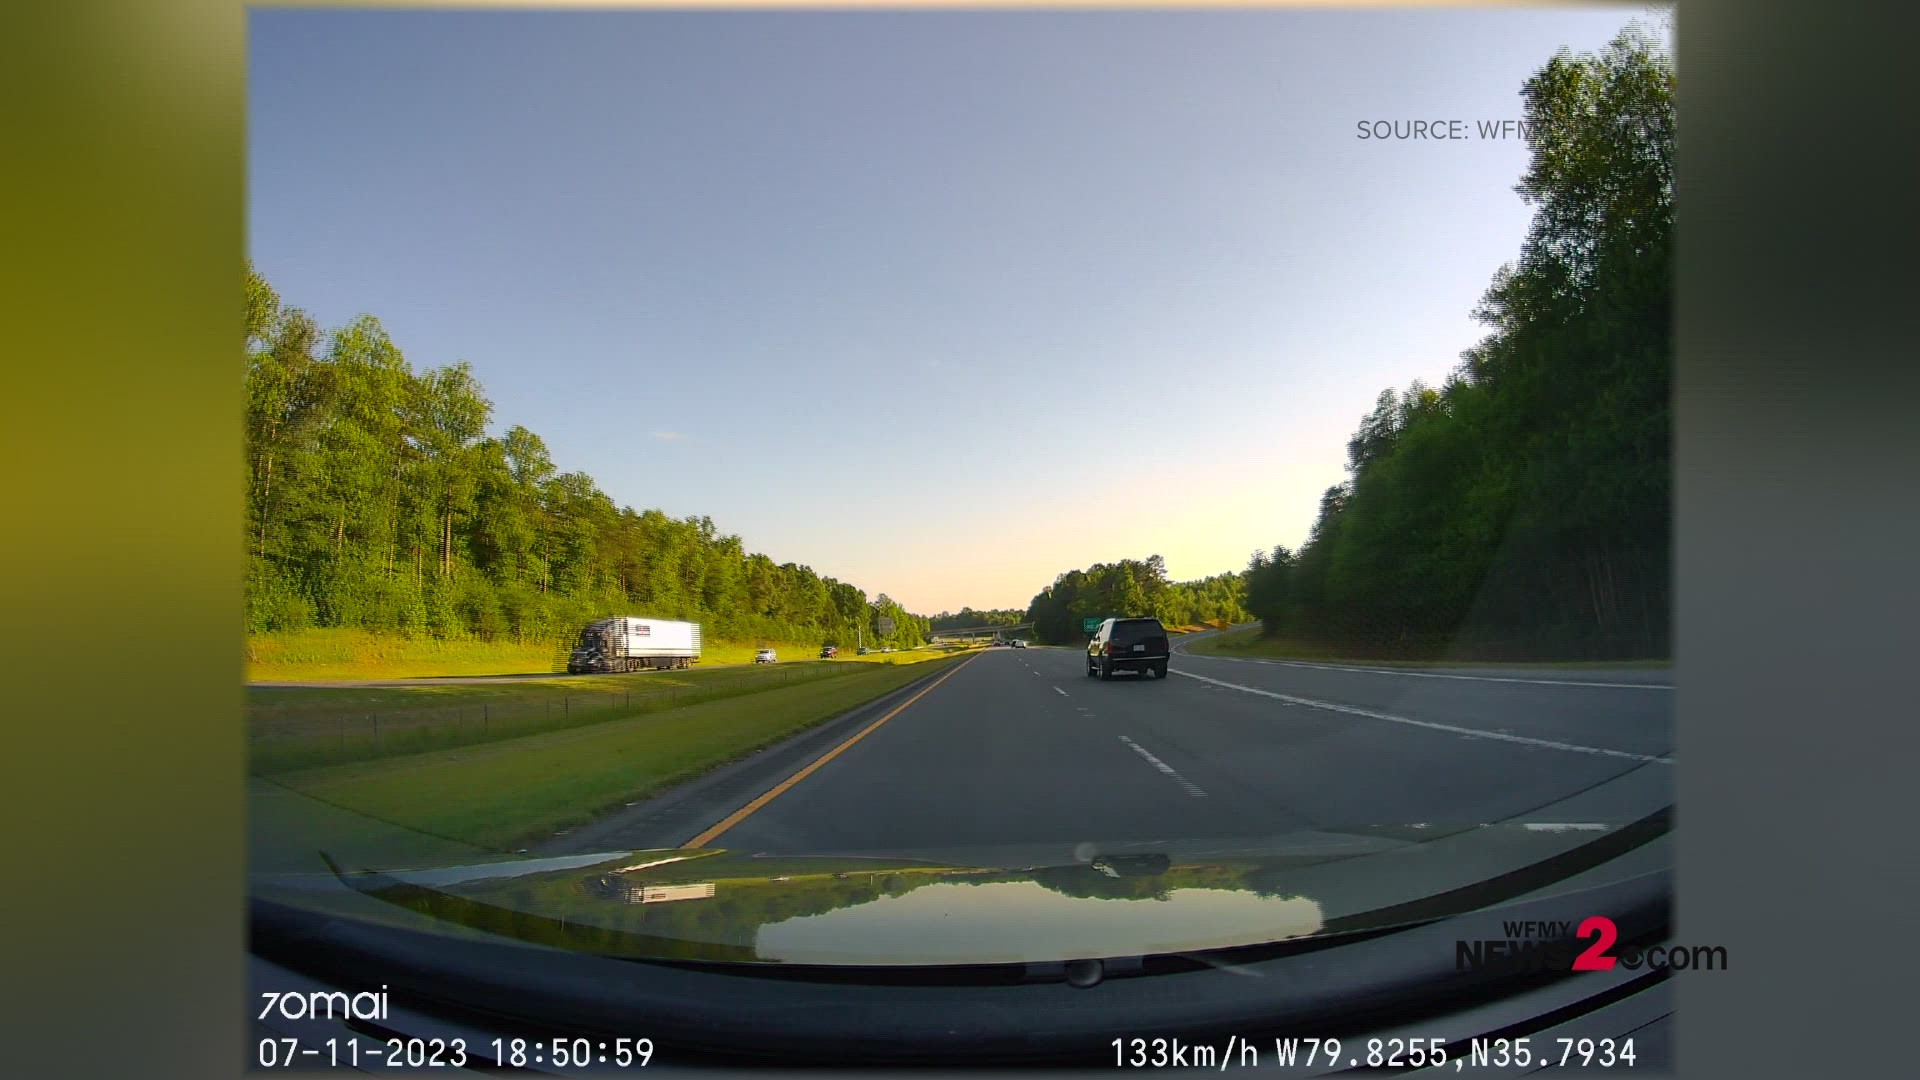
point(1478, 733)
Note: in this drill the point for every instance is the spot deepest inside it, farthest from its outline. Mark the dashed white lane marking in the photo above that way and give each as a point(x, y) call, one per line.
point(1059, 691)
point(1433, 674)
point(1192, 788)
point(1477, 733)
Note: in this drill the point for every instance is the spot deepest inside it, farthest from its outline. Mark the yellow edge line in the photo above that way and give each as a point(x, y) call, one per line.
point(779, 789)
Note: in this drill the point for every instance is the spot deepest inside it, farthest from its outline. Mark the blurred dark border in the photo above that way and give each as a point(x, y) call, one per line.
point(1799, 528)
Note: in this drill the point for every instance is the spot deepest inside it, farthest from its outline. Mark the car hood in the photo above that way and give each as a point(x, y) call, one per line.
point(982, 906)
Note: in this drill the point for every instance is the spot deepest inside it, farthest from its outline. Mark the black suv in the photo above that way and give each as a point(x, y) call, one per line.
point(1128, 645)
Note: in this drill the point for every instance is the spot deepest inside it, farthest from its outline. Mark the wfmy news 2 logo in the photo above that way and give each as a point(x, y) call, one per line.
point(1535, 946)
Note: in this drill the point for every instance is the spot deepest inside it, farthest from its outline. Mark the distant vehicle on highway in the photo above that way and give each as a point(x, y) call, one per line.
point(1017, 643)
point(864, 650)
point(828, 652)
point(634, 644)
point(765, 656)
point(1128, 645)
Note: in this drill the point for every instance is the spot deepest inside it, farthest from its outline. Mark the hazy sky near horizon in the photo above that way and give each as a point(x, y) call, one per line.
point(940, 304)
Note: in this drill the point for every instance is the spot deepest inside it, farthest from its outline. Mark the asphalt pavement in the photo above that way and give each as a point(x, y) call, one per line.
point(1019, 746)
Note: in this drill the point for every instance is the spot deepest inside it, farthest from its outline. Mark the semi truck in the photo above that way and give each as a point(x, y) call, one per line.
point(634, 644)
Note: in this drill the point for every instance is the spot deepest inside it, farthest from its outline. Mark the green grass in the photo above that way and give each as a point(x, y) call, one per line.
point(301, 727)
point(1250, 641)
point(340, 655)
point(509, 793)
point(1195, 628)
point(323, 654)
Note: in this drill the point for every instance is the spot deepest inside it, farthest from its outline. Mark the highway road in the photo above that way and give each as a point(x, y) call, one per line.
point(1019, 746)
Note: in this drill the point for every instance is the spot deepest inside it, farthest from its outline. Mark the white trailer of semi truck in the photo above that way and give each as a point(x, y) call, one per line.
point(634, 644)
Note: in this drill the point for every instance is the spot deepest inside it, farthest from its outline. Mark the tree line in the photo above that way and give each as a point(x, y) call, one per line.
point(1524, 507)
point(1132, 587)
point(377, 500)
point(967, 618)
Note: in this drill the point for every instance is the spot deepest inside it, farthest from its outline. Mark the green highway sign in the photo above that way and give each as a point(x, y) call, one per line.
point(1091, 623)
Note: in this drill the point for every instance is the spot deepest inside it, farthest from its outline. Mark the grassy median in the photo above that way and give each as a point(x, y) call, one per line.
point(1250, 641)
point(509, 793)
point(341, 655)
point(297, 727)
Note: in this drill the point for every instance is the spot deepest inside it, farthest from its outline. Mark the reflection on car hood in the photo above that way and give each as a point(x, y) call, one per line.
point(720, 905)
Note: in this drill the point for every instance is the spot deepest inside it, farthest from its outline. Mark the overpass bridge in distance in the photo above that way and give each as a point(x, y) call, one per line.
point(975, 632)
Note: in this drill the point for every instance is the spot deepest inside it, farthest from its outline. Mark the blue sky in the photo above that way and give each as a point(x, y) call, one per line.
point(762, 266)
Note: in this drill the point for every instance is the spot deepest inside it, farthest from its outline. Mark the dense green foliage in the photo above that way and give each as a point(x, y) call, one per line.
point(377, 500)
point(968, 619)
point(1524, 508)
point(1132, 587)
